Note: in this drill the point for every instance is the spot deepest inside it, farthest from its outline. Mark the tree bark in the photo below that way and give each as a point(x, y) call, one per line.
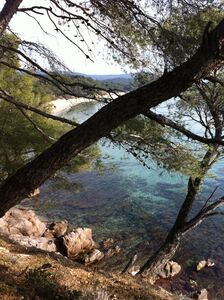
point(6, 14)
point(163, 255)
point(26, 179)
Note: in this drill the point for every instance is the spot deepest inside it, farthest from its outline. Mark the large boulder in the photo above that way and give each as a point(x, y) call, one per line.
point(22, 222)
point(77, 243)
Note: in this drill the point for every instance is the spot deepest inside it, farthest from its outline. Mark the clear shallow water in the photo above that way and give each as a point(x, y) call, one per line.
point(137, 207)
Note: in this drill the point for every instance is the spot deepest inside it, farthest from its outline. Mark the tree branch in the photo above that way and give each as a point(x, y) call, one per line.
point(165, 121)
point(205, 212)
point(10, 99)
point(48, 138)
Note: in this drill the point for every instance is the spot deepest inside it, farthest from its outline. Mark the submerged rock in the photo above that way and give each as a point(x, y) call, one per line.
point(201, 295)
point(35, 193)
point(108, 243)
point(110, 248)
point(170, 269)
point(78, 242)
point(93, 257)
point(18, 221)
point(204, 263)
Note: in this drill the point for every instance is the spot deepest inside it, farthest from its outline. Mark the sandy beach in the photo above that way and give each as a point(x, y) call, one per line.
point(62, 105)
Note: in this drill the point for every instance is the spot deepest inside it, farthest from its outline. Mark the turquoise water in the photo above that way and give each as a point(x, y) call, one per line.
point(137, 207)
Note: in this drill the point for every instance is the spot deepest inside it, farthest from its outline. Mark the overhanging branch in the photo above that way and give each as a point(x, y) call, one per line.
point(164, 121)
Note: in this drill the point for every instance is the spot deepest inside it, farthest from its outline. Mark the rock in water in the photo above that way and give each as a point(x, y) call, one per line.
point(22, 222)
point(35, 193)
point(110, 248)
point(204, 263)
point(201, 295)
point(95, 256)
point(78, 242)
point(134, 270)
point(170, 269)
point(108, 243)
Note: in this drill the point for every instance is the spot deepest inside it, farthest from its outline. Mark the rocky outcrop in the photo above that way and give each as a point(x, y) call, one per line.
point(78, 242)
point(24, 227)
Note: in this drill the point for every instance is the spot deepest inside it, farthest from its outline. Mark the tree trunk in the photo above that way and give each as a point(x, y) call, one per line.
point(163, 255)
point(6, 14)
point(32, 175)
point(168, 249)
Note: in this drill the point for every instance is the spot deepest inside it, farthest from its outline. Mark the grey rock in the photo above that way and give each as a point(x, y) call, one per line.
point(134, 270)
point(35, 193)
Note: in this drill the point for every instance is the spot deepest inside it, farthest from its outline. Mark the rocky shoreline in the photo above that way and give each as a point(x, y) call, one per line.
point(25, 228)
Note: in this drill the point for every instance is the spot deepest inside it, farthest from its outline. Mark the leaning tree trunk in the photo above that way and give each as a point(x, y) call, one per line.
point(166, 252)
point(26, 179)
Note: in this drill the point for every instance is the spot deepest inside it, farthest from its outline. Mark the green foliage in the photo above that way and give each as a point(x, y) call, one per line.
point(142, 78)
point(180, 36)
point(20, 141)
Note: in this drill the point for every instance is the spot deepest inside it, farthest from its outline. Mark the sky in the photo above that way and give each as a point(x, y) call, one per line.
point(69, 54)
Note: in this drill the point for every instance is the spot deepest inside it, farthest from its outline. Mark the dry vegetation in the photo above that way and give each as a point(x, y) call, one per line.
point(27, 273)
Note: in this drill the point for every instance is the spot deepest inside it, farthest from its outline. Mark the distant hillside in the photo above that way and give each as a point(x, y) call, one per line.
point(106, 76)
point(118, 81)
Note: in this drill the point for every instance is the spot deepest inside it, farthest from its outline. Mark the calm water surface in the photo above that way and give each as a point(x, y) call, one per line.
point(137, 207)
